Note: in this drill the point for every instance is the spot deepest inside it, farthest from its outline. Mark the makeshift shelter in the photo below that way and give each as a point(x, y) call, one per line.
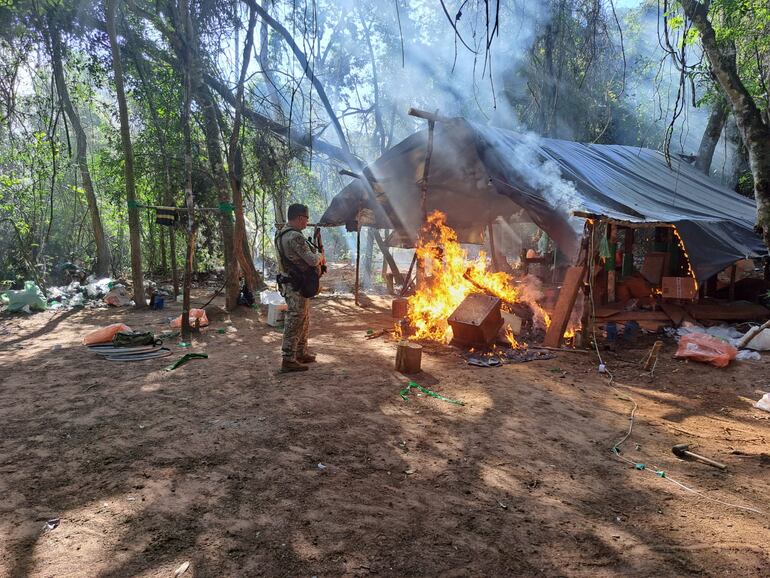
point(479, 173)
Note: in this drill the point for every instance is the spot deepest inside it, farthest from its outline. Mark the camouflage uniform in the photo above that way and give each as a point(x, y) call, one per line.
point(295, 248)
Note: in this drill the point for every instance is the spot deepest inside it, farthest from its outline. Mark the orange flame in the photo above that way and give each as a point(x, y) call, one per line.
point(397, 333)
point(510, 337)
point(442, 292)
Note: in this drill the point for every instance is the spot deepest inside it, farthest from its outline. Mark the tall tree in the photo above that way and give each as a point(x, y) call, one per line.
point(128, 155)
point(711, 134)
point(103, 261)
point(751, 124)
point(235, 169)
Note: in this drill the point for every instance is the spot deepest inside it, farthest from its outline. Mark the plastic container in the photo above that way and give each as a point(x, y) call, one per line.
point(275, 314)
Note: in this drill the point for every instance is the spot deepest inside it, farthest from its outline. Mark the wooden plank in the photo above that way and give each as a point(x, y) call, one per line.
point(675, 313)
point(573, 281)
point(734, 312)
point(635, 316)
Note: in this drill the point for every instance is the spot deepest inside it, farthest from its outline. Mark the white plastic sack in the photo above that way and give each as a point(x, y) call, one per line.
point(764, 403)
point(118, 297)
point(271, 298)
point(761, 341)
point(745, 355)
point(97, 287)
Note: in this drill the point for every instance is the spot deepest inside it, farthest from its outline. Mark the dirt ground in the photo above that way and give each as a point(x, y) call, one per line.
point(243, 472)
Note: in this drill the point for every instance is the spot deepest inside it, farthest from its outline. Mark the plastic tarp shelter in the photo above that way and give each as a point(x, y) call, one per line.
point(480, 173)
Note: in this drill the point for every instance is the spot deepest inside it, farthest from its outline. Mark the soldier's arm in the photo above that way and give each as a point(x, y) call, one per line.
point(301, 248)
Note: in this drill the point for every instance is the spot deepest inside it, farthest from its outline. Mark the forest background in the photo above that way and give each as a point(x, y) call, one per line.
point(246, 106)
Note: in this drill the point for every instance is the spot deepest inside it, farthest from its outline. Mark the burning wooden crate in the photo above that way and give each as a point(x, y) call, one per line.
point(477, 320)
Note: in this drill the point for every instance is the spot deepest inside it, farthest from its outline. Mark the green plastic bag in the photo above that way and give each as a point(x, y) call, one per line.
point(134, 339)
point(30, 296)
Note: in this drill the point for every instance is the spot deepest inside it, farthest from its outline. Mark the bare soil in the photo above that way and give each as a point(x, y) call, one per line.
point(243, 472)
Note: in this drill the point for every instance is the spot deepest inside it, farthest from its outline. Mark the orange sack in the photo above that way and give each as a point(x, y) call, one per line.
point(705, 348)
point(198, 314)
point(105, 334)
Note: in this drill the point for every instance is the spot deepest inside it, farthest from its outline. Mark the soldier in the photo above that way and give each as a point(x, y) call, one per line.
point(297, 256)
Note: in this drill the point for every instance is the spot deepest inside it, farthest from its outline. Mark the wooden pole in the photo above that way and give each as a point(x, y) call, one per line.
point(573, 281)
point(358, 259)
point(387, 257)
point(430, 116)
point(174, 270)
point(628, 252)
point(492, 247)
point(612, 239)
point(408, 278)
point(420, 275)
point(586, 257)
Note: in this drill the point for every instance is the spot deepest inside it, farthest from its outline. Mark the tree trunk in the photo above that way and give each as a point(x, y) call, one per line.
point(755, 133)
point(708, 143)
point(185, 28)
point(214, 149)
point(235, 170)
point(128, 166)
point(103, 263)
point(740, 160)
point(168, 192)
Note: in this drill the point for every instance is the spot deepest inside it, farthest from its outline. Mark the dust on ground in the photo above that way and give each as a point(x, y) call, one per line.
point(244, 472)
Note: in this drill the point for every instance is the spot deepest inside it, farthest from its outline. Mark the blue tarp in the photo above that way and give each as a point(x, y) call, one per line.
point(479, 172)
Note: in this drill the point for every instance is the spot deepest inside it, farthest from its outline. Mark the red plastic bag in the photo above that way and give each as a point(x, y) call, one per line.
point(705, 348)
point(105, 334)
point(195, 314)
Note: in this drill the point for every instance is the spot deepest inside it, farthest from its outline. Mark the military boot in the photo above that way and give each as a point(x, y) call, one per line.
point(291, 365)
point(306, 357)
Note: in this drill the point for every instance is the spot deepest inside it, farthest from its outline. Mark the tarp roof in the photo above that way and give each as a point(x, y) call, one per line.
point(478, 173)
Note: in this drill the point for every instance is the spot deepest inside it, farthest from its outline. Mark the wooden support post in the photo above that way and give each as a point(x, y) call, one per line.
point(612, 239)
point(387, 257)
point(733, 271)
point(408, 357)
point(627, 267)
point(492, 248)
point(358, 260)
point(408, 278)
point(573, 281)
point(187, 283)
